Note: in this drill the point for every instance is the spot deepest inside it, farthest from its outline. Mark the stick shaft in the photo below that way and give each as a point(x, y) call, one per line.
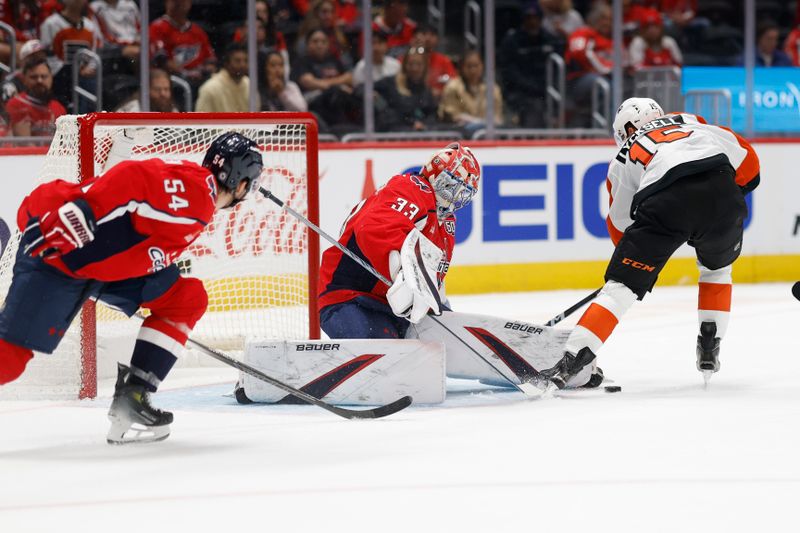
point(565, 313)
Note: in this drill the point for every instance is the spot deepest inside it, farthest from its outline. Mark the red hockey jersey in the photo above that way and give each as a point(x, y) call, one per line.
point(147, 213)
point(188, 45)
point(375, 227)
point(588, 51)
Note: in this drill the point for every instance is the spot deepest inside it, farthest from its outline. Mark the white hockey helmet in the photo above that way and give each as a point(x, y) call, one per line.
point(635, 113)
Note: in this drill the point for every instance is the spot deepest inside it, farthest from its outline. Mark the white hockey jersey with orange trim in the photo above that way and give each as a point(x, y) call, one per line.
point(667, 149)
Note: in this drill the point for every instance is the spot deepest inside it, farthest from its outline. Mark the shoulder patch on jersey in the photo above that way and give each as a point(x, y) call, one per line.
point(450, 226)
point(419, 182)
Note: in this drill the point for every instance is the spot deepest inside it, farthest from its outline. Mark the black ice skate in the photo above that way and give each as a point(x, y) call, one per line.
point(708, 350)
point(569, 366)
point(132, 417)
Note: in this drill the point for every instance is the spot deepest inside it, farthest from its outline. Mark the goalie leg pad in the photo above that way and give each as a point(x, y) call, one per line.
point(347, 371)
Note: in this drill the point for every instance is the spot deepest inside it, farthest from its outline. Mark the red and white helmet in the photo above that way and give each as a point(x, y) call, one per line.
point(634, 113)
point(454, 174)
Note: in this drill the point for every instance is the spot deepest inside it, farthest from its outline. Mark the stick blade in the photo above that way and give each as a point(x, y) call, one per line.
point(378, 412)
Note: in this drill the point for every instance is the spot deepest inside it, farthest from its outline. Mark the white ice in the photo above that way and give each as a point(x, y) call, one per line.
point(665, 454)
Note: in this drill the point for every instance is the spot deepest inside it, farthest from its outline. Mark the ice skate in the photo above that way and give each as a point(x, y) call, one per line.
point(569, 366)
point(708, 351)
point(133, 419)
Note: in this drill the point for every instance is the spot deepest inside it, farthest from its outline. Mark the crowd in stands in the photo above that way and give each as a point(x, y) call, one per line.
point(310, 58)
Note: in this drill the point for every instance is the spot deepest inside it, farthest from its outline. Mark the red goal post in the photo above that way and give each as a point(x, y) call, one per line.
point(259, 265)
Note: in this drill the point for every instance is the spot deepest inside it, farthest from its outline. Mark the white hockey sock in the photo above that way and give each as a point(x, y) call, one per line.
point(714, 297)
point(597, 323)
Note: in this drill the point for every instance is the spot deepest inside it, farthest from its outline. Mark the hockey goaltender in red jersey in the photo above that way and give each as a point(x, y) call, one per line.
point(676, 179)
point(114, 238)
point(353, 303)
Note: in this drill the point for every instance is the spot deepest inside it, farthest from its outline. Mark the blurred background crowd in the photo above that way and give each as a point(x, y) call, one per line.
point(552, 59)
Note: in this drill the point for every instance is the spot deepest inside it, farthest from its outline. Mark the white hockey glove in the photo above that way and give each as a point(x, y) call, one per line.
point(59, 232)
point(413, 269)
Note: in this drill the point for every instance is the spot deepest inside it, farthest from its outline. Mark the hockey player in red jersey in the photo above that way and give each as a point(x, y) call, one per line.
point(114, 238)
point(675, 180)
point(355, 304)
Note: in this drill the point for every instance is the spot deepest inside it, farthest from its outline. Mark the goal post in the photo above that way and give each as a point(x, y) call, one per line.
point(258, 264)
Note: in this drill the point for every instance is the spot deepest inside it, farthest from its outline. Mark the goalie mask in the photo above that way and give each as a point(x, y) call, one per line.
point(231, 158)
point(454, 173)
point(634, 113)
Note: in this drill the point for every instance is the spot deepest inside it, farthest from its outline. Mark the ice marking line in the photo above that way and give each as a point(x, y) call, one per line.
point(407, 488)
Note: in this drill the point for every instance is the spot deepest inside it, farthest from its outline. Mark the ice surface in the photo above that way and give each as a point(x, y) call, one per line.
point(663, 455)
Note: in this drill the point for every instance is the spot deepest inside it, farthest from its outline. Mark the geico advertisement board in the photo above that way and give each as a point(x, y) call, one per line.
point(537, 205)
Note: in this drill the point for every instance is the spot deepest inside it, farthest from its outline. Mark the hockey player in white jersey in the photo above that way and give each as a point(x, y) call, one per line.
point(675, 179)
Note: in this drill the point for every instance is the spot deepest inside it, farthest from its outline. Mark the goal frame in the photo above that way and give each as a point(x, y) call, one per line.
point(86, 126)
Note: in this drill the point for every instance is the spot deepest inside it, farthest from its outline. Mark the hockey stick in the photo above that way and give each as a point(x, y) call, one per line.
point(526, 388)
point(565, 313)
point(378, 412)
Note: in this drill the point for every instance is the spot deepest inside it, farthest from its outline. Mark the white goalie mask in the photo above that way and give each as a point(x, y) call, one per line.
point(634, 113)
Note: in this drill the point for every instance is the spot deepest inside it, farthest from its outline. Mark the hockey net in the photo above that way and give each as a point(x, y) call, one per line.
point(258, 264)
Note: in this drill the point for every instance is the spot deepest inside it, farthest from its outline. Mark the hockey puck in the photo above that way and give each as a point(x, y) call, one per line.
point(613, 388)
point(796, 290)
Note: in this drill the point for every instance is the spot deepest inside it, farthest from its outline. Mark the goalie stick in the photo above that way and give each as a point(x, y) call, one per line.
point(529, 389)
point(377, 412)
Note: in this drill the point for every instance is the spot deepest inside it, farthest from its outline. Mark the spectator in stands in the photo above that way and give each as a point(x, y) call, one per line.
point(346, 11)
point(14, 82)
point(326, 83)
point(767, 52)
point(160, 95)
point(276, 93)
point(179, 45)
point(268, 38)
point(406, 102)
point(63, 34)
point(440, 68)
point(521, 61)
point(25, 16)
point(398, 28)
point(651, 48)
point(588, 57)
point(634, 15)
point(322, 16)
point(560, 18)
point(382, 65)
point(119, 26)
point(792, 45)
point(33, 113)
point(464, 98)
point(227, 91)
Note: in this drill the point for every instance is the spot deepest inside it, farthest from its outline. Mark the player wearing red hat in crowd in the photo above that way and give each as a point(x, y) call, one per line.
point(354, 303)
point(651, 48)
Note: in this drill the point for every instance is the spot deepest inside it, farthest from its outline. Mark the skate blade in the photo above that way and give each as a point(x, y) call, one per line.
point(123, 432)
point(707, 377)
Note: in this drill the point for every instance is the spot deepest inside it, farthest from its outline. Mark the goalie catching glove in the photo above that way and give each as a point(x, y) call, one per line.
point(413, 270)
point(59, 232)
